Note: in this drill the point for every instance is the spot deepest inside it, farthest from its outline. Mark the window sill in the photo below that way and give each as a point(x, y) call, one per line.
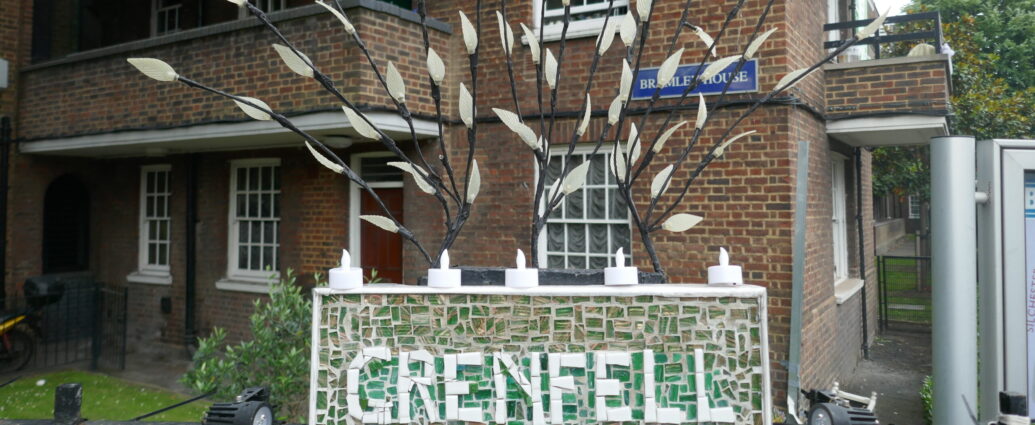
point(845, 289)
point(240, 285)
point(150, 278)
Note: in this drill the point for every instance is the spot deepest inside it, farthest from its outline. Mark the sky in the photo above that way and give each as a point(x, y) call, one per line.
point(896, 6)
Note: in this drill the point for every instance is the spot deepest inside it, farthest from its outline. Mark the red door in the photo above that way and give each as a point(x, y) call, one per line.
point(379, 249)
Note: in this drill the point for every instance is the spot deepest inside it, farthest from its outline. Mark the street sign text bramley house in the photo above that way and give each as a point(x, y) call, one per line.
point(386, 354)
point(745, 81)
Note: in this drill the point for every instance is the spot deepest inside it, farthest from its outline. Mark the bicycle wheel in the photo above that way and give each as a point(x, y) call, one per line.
point(16, 349)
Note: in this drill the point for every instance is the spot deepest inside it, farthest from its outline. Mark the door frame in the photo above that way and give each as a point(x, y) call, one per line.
point(355, 161)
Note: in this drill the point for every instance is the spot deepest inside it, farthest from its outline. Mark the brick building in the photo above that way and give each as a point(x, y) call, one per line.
point(112, 172)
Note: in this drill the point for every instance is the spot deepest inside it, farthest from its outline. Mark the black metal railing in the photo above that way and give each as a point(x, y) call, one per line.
point(905, 292)
point(934, 34)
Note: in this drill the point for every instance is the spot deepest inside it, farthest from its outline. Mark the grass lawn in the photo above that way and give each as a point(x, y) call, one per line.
point(104, 398)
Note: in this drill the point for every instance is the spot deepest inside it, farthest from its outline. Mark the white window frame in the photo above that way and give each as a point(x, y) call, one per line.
point(236, 278)
point(576, 29)
point(355, 238)
point(146, 272)
point(156, 10)
point(839, 219)
point(243, 12)
point(914, 207)
point(542, 242)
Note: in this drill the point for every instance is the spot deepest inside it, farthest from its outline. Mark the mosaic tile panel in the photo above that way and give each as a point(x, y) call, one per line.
point(538, 359)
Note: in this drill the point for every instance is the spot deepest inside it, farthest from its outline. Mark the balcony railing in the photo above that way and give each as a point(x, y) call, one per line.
point(888, 40)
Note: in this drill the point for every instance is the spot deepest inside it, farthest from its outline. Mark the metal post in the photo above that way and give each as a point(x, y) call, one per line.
point(954, 261)
point(68, 400)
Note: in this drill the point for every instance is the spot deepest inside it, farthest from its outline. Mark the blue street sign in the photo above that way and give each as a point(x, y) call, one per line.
point(745, 81)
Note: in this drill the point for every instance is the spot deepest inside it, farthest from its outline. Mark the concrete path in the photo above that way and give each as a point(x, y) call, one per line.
point(898, 363)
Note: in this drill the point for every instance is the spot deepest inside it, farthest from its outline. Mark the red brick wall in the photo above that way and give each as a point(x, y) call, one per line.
point(919, 85)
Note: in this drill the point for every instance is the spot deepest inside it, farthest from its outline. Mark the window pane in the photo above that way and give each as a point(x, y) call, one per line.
point(573, 205)
point(160, 181)
point(276, 206)
point(163, 254)
point(241, 205)
point(152, 252)
point(553, 169)
point(242, 178)
point(620, 237)
point(253, 205)
point(242, 257)
point(159, 206)
point(152, 230)
point(597, 169)
point(242, 231)
point(576, 238)
point(150, 183)
point(598, 239)
point(555, 262)
point(256, 231)
point(599, 262)
point(597, 200)
point(267, 257)
point(163, 230)
point(150, 206)
point(253, 178)
point(264, 205)
point(617, 208)
point(253, 261)
point(267, 233)
point(577, 262)
point(555, 237)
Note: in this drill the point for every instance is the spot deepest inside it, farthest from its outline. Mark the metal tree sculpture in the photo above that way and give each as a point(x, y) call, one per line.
point(455, 203)
point(627, 163)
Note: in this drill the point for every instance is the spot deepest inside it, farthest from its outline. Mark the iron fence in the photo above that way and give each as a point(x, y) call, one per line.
point(905, 292)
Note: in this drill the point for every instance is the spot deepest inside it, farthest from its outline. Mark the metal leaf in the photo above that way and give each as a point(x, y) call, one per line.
point(154, 68)
point(418, 173)
point(632, 146)
point(709, 42)
point(757, 43)
point(643, 9)
point(533, 43)
point(618, 163)
point(722, 148)
point(506, 34)
point(873, 26)
point(656, 185)
point(786, 82)
point(323, 160)
point(252, 111)
point(614, 110)
point(585, 117)
point(702, 111)
point(381, 221)
point(666, 135)
point(606, 37)
point(470, 34)
point(668, 68)
point(626, 82)
point(716, 67)
point(436, 69)
point(394, 81)
point(681, 222)
point(576, 178)
point(360, 124)
point(513, 122)
point(627, 30)
point(298, 64)
point(551, 69)
point(239, 3)
point(466, 106)
point(475, 184)
point(349, 28)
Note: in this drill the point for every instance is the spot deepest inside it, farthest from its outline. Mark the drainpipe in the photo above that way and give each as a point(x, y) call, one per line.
point(189, 331)
point(801, 204)
point(862, 248)
point(5, 141)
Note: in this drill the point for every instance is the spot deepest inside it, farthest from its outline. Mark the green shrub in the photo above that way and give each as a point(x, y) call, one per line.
point(277, 357)
point(927, 399)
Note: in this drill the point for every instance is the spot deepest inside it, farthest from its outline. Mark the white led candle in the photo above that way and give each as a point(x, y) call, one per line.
point(724, 274)
point(444, 277)
point(521, 277)
point(620, 275)
point(345, 276)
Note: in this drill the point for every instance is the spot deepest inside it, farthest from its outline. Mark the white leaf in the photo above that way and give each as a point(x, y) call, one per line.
point(618, 163)
point(394, 81)
point(513, 122)
point(238, 2)
point(470, 34)
point(576, 178)
point(785, 82)
point(681, 222)
point(614, 110)
point(565, 2)
point(659, 181)
point(668, 68)
point(626, 82)
point(551, 69)
point(466, 106)
point(360, 124)
point(341, 17)
point(539, 143)
point(643, 9)
point(632, 146)
point(722, 148)
point(702, 111)
point(299, 65)
point(475, 184)
point(606, 36)
point(436, 69)
point(757, 43)
point(254, 112)
point(154, 68)
point(533, 43)
point(506, 34)
point(666, 135)
point(716, 67)
point(552, 190)
point(873, 26)
point(323, 160)
point(381, 221)
point(627, 30)
point(585, 117)
point(418, 173)
point(709, 42)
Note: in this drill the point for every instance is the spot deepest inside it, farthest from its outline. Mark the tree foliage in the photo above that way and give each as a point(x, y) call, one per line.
point(901, 171)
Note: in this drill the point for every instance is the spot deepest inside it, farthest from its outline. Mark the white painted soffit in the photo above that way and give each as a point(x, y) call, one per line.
point(895, 130)
point(223, 136)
